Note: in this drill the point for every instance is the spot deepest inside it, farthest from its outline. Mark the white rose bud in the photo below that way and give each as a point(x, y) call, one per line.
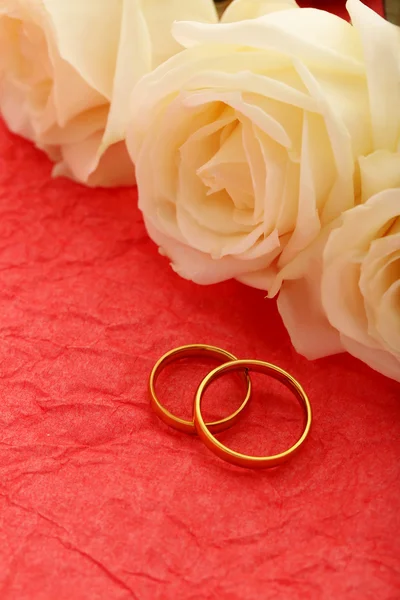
point(67, 69)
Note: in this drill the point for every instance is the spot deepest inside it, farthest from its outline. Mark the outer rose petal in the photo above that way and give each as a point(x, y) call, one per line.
point(239, 10)
point(379, 171)
point(79, 161)
point(300, 302)
point(87, 38)
point(381, 361)
point(310, 35)
point(133, 61)
point(381, 48)
point(143, 45)
point(160, 15)
point(197, 266)
point(300, 307)
point(12, 98)
point(63, 106)
point(343, 256)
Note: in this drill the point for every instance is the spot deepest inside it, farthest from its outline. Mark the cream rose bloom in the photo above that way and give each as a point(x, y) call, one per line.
point(349, 299)
point(343, 292)
point(245, 143)
point(67, 69)
point(361, 281)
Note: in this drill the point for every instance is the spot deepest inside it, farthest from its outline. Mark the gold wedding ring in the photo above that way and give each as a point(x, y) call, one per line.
point(198, 350)
point(245, 460)
point(205, 430)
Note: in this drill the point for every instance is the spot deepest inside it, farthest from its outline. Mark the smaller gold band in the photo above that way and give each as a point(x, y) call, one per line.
point(198, 350)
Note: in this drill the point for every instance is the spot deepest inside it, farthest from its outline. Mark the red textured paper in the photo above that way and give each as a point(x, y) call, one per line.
point(101, 501)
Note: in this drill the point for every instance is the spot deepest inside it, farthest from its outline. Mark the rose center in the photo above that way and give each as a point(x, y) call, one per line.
point(218, 175)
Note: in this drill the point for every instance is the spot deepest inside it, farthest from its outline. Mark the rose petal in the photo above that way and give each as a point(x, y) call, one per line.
point(379, 284)
point(341, 196)
point(160, 15)
point(377, 359)
point(177, 74)
point(378, 171)
point(133, 61)
point(344, 252)
point(257, 167)
point(263, 278)
point(239, 10)
point(79, 128)
point(381, 49)
point(236, 100)
point(265, 86)
point(307, 225)
point(80, 30)
point(157, 164)
point(388, 315)
point(312, 36)
point(63, 105)
point(300, 307)
point(115, 167)
point(302, 265)
point(228, 170)
point(79, 159)
point(14, 111)
point(197, 266)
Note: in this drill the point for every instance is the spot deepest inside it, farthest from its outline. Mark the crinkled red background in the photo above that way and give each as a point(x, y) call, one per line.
point(100, 500)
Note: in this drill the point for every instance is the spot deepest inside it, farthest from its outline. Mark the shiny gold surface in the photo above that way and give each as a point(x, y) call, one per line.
point(236, 458)
point(197, 350)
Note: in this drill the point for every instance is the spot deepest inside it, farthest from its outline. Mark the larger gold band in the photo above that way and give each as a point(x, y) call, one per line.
point(229, 455)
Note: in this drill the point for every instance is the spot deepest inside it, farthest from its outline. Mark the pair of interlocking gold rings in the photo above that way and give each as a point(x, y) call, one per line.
point(206, 430)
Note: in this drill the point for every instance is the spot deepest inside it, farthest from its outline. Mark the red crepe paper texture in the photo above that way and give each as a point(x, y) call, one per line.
point(99, 500)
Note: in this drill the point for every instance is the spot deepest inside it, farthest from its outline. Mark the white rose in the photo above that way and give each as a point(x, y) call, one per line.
point(361, 281)
point(245, 143)
point(350, 298)
point(67, 69)
point(343, 292)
